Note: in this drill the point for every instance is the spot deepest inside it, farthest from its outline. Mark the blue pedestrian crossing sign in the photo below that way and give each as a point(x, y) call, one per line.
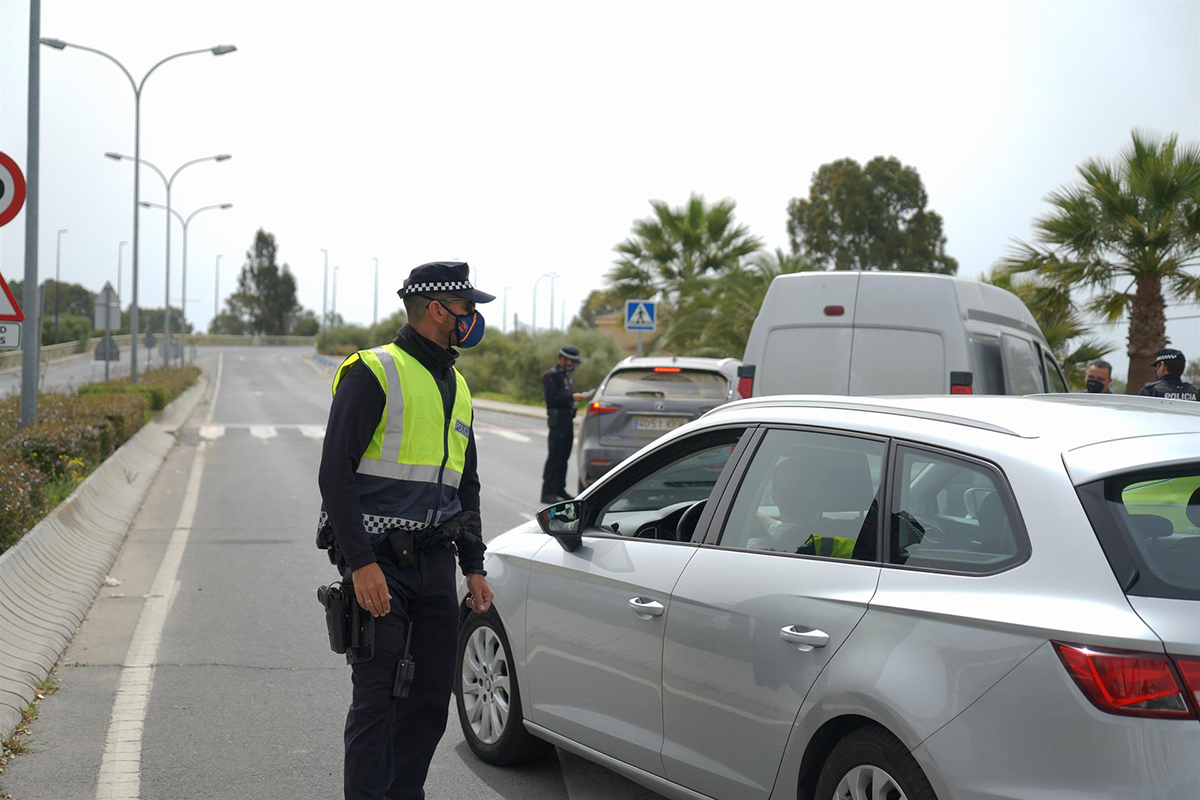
point(640, 315)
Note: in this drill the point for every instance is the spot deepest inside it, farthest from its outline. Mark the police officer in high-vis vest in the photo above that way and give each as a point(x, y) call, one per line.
point(401, 496)
point(1168, 368)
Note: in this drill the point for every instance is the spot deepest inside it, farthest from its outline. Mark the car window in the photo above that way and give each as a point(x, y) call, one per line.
point(988, 367)
point(661, 498)
point(1159, 516)
point(810, 494)
point(1020, 365)
point(1054, 378)
point(949, 513)
point(667, 383)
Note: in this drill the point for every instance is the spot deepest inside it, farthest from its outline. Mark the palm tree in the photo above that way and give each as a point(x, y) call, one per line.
point(677, 250)
point(1060, 320)
point(716, 322)
point(1129, 230)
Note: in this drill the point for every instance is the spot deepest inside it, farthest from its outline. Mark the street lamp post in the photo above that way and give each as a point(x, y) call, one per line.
point(217, 293)
point(325, 290)
point(120, 260)
point(57, 282)
point(551, 276)
point(335, 272)
point(183, 300)
point(168, 183)
point(375, 316)
point(218, 50)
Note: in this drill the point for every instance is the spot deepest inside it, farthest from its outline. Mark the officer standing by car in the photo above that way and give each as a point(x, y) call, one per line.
point(399, 483)
point(1168, 366)
point(561, 398)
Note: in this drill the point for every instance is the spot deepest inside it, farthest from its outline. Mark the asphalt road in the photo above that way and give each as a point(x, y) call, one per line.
point(246, 700)
point(70, 373)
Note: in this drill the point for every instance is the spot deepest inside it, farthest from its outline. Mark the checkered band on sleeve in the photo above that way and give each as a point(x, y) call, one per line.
point(447, 286)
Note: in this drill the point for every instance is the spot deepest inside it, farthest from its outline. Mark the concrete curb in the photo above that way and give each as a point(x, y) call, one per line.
point(50, 577)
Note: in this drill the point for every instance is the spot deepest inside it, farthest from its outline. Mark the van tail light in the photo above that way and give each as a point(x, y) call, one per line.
point(835, 311)
point(962, 383)
point(1131, 684)
point(601, 407)
point(745, 384)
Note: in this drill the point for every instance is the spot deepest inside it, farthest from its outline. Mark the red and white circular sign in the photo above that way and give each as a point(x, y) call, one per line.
point(12, 189)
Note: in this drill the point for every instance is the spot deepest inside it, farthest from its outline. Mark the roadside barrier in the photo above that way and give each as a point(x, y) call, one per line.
point(50, 577)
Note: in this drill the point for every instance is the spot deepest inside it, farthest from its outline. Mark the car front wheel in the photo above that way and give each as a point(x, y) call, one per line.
point(872, 764)
point(488, 697)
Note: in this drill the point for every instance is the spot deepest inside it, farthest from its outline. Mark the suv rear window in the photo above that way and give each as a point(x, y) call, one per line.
point(1153, 523)
point(667, 383)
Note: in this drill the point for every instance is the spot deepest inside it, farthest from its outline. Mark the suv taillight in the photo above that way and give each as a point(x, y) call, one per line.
point(745, 387)
point(1189, 670)
point(1132, 684)
point(601, 407)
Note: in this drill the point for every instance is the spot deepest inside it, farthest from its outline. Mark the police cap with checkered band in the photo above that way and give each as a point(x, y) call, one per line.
point(452, 277)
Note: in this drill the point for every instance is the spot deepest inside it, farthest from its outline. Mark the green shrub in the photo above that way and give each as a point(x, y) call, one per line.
point(21, 500)
point(159, 386)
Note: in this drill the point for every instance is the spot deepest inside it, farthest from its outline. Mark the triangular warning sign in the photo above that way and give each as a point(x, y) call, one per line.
point(9, 310)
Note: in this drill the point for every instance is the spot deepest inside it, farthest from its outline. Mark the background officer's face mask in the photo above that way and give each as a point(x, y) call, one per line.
point(1094, 386)
point(468, 330)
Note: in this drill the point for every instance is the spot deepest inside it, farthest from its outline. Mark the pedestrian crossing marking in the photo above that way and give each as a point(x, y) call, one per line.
point(313, 431)
point(212, 432)
point(262, 431)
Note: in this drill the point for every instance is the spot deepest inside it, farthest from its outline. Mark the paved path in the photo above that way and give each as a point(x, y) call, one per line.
point(246, 700)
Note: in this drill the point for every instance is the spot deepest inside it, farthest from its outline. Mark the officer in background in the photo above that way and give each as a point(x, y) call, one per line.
point(399, 483)
point(561, 398)
point(1168, 365)
point(1098, 377)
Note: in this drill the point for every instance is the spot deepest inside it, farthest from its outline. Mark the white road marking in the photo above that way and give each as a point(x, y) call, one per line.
point(212, 404)
point(262, 431)
point(212, 432)
point(121, 765)
point(512, 436)
point(313, 431)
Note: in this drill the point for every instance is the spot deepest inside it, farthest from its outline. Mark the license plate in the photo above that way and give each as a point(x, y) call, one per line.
point(657, 423)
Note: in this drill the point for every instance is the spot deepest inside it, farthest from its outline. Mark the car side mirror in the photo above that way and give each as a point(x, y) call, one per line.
point(564, 522)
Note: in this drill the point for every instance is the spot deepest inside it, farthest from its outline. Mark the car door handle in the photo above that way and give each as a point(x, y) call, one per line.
point(813, 638)
point(645, 607)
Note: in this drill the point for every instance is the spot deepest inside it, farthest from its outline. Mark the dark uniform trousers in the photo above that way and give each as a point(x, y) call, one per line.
point(389, 741)
point(559, 440)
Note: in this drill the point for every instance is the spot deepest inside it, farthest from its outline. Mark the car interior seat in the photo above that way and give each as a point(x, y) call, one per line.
point(995, 531)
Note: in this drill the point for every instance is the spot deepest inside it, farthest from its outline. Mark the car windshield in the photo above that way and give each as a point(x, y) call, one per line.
point(1158, 514)
point(667, 383)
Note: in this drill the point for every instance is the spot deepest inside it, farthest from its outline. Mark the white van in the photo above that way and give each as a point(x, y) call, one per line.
point(881, 333)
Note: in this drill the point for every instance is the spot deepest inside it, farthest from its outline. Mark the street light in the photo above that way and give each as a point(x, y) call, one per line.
point(335, 272)
point(551, 276)
point(57, 282)
point(218, 50)
point(120, 259)
point(375, 320)
point(168, 183)
point(325, 290)
point(183, 301)
point(217, 294)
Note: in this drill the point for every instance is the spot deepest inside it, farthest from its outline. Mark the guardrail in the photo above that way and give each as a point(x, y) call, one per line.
point(12, 358)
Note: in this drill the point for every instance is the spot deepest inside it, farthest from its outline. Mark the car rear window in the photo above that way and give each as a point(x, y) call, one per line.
point(1156, 516)
point(669, 383)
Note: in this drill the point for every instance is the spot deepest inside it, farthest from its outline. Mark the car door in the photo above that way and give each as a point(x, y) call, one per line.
point(594, 625)
point(759, 612)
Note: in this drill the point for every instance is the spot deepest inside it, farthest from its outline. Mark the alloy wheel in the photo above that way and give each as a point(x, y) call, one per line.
point(868, 782)
point(486, 685)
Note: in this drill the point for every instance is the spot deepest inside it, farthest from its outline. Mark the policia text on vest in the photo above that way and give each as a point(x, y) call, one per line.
point(400, 492)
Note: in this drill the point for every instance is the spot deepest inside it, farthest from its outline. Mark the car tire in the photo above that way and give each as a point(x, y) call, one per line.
point(871, 762)
point(486, 693)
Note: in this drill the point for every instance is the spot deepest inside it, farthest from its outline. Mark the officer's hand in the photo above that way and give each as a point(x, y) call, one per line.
point(370, 588)
point(580, 396)
point(480, 599)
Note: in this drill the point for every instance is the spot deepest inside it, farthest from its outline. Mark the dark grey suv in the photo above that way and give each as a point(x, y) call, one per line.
point(643, 398)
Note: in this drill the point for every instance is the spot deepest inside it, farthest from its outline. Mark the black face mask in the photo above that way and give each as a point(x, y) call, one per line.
point(1095, 387)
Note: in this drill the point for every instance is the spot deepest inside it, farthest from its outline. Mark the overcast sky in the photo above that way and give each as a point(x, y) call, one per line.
point(525, 138)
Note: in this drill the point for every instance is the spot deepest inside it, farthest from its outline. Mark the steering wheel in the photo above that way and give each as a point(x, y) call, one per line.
point(686, 528)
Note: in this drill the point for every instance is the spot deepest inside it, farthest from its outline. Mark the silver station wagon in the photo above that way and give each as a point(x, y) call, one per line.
point(817, 597)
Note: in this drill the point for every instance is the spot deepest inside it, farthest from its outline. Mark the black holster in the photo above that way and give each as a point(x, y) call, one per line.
point(351, 629)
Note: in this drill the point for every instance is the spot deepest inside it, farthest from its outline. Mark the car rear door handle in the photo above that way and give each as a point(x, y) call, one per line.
point(645, 608)
point(813, 638)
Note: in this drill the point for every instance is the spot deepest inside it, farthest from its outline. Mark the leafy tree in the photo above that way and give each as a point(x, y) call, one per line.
point(305, 323)
point(1129, 229)
point(150, 320)
point(1060, 319)
point(74, 310)
point(675, 250)
point(716, 322)
point(871, 218)
point(266, 295)
point(1191, 373)
point(598, 303)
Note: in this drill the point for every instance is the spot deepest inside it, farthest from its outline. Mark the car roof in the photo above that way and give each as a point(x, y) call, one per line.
point(727, 365)
point(1065, 421)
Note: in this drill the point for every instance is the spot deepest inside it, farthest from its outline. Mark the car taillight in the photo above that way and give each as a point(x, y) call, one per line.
point(961, 390)
point(745, 388)
point(601, 407)
point(961, 382)
point(1131, 684)
point(1189, 670)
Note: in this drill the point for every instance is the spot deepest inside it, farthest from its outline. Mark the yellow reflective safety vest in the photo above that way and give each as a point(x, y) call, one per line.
point(408, 477)
point(832, 546)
